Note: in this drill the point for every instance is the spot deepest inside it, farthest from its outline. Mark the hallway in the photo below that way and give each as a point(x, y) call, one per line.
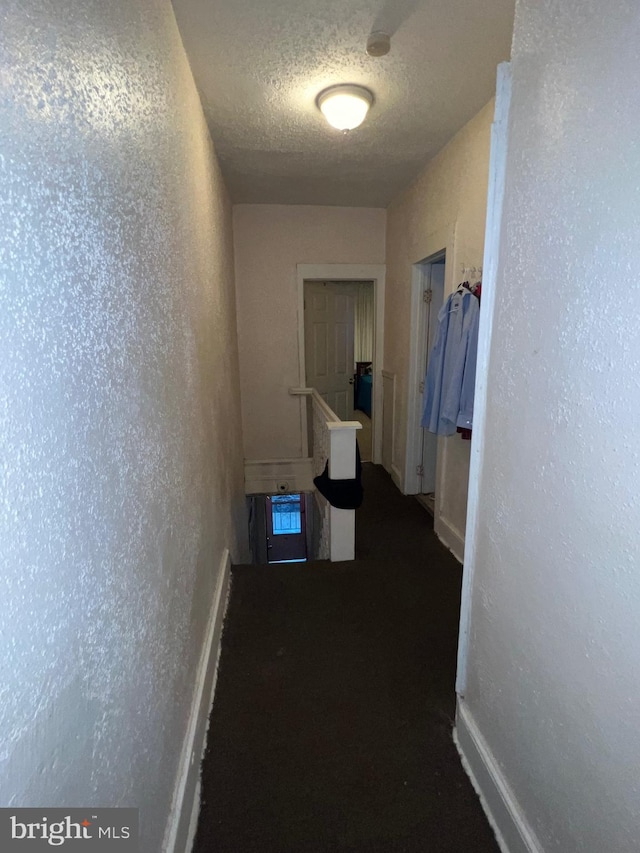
point(331, 726)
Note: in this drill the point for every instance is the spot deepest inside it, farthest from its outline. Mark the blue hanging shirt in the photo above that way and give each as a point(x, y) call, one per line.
point(451, 375)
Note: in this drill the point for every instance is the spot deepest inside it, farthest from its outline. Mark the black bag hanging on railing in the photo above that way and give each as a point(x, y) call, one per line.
point(342, 494)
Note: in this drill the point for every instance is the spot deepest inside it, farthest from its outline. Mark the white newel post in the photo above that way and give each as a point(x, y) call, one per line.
point(342, 466)
point(334, 440)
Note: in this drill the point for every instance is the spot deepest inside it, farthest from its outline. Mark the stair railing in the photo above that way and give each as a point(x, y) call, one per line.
point(332, 440)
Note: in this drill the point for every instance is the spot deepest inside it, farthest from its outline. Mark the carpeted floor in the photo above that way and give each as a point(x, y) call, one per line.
point(331, 727)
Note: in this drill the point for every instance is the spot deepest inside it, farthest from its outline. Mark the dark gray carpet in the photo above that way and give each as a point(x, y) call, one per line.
point(331, 727)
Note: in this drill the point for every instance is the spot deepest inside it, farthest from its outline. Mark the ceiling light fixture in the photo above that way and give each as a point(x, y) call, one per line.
point(345, 106)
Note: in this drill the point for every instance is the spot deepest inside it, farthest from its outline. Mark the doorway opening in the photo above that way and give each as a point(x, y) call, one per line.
point(286, 528)
point(339, 330)
point(422, 446)
point(374, 275)
point(281, 528)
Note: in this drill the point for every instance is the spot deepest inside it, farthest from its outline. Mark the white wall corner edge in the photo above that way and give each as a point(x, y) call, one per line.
point(512, 830)
point(185, 809)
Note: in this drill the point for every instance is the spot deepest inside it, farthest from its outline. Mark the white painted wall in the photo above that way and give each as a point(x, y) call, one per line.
point(270, 240)
point(447, 202)
point(120, 425)
point(554, 663)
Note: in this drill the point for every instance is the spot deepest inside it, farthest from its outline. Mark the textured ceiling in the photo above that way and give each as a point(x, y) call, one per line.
point(259, 65)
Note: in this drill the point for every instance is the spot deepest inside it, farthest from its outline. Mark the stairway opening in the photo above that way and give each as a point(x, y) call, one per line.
point(283, 528)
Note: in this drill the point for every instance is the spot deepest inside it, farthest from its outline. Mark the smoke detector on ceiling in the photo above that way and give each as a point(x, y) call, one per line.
point(378, 43)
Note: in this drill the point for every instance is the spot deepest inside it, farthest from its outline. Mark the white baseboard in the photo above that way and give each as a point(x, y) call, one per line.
point(396, 476)
point(449, 536)
point(264, 476)
point(513, 832)
point(195, 813)
point(183, 819)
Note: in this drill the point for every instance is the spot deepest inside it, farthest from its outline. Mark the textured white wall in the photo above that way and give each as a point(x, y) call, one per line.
point(450, 192)
point(270, 240)
point(121, 472)
point(554, 665)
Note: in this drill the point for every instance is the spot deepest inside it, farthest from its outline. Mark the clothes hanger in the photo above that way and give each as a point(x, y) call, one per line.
point(469, 274)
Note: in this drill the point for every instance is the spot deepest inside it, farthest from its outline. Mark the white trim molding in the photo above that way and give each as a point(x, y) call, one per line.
point(497, 166)
point(449, 536)
point(512, 830)
point(185, 807)
point(442, 241)
point(266, 476)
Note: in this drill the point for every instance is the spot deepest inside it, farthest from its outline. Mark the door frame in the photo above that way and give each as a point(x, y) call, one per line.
point(490, 264)
point(285, 538)
point(347, 272)
point(438, 244)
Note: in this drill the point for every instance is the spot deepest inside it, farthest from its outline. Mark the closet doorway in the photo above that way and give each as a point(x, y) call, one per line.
point(422, 445)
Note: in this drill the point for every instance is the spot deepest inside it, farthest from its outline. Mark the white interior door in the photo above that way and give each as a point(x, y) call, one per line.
point(329, 312)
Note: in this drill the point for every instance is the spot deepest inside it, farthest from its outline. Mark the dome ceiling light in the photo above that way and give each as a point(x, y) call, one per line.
point(345, 106)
